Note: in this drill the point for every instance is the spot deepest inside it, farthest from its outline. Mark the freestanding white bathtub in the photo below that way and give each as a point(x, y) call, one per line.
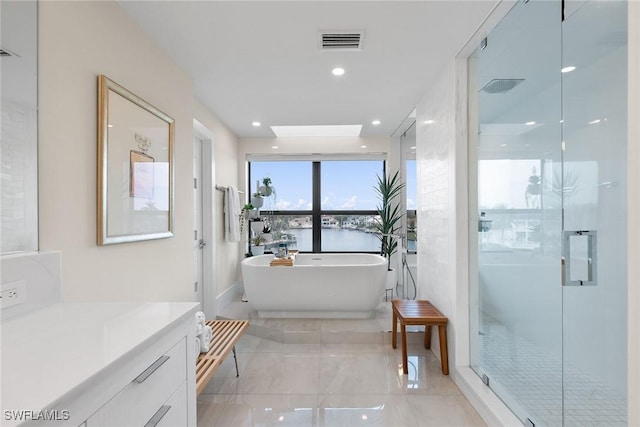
point(317, 286)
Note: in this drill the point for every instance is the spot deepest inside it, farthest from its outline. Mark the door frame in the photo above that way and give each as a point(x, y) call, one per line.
point(209, 283)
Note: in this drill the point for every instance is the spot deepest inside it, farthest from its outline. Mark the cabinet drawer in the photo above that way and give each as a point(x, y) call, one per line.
point(138, 402)
point(174, 411)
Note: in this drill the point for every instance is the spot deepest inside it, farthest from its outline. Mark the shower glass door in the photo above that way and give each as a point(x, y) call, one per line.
point(594, 97)
point(548, 249)
point(515, 268)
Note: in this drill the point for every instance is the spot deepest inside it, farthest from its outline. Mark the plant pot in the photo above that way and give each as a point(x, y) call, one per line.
point(267, 237)
point(253, 214)
point(257, 201)
point(267, 191)
point(256, 226)
point(257, 250)
point(392, 278)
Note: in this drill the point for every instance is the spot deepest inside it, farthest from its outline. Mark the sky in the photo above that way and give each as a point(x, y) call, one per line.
point(345, 185)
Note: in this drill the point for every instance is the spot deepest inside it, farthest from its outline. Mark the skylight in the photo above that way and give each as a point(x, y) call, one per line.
point(323, 130)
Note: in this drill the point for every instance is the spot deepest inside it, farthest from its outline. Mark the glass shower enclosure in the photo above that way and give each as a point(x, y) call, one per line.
point(547, 167)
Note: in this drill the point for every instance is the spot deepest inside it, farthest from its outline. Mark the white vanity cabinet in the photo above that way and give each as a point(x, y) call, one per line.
point(105, 365)
point(158, 392)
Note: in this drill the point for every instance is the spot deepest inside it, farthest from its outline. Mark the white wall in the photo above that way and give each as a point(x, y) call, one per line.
point(633, 307)
point(227, 260)
point(79, 41)
point(307, 146)
point(435, 163)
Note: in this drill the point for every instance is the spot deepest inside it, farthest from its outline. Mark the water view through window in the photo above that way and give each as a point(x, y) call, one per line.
point(344, 209)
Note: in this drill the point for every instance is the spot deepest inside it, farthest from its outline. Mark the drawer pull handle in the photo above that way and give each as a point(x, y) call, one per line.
point(151, 369)
point(158, 416)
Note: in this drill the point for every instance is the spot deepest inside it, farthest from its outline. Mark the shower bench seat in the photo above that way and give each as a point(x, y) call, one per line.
point(419, 312)
point(226, 334)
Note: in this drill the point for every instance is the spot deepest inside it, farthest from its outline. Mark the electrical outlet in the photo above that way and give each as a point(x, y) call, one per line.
point(12, 293)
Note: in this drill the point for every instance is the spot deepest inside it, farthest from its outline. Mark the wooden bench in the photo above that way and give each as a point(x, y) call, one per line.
point(419, 312)
point(226, 333)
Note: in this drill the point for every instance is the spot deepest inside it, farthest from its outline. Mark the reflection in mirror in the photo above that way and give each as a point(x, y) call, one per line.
point(19, 133)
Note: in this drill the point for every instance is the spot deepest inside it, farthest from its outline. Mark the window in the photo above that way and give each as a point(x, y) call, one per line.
point(321, 206)
point(289, 208)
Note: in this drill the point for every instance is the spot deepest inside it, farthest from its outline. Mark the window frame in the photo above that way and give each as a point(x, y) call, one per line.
point(316, 213)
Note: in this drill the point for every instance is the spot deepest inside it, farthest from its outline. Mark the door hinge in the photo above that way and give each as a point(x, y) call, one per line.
point(485, 380)
point(195, 234)
point(195, 286)
point(195, 182)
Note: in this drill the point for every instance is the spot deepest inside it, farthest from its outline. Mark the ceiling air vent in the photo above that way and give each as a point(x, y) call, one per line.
point(501, 85)
point(341, 40)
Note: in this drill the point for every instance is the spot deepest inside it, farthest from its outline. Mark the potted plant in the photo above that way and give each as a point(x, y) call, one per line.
point(256, 225)
point(266, 233)
point(388, 190)
point(256, 200)
point(266, 189)
point(257, 246)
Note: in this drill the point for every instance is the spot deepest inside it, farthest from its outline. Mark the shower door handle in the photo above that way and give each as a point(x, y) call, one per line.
point(579, 258)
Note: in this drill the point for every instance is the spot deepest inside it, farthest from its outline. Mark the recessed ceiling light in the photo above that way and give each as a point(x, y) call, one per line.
point(363, 146)
point(274, 147)
point(530, 123)
point(412, 147)
point(110, 126)
point(568, 69)
point(256, 124)
point(375, 122)
point(338, 71)
point(593, 122)
point(503, 145)
point(428, 122)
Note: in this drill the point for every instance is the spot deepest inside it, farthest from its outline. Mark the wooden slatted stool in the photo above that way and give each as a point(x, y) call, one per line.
point(226, 334)
point(419, 312)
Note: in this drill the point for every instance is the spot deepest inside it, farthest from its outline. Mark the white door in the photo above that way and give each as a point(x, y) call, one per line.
point(204, 214)
point(198, 238)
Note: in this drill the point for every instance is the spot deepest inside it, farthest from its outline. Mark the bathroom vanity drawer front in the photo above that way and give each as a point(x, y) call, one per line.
point(137, 403)
point(177, 410)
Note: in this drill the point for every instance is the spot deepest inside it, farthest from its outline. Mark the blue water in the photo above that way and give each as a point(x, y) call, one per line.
point(339, 240)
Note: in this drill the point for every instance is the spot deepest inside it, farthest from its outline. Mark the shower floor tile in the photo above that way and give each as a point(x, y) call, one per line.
point(534, 381)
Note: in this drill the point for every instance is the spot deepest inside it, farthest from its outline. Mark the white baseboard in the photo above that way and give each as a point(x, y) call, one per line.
point(232, 293)
point(492, 410)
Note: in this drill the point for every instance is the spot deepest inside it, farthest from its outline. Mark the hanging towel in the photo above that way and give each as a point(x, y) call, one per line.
point(231, 215)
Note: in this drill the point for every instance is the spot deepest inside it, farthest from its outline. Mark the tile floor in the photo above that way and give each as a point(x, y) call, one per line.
point(330, 373)
point(534, 382)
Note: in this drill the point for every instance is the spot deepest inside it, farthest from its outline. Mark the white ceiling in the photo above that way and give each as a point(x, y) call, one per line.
point(260, 61)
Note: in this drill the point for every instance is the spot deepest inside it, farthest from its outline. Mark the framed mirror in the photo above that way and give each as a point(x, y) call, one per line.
point(135, 167)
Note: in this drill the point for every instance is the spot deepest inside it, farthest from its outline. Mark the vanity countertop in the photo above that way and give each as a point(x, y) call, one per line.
point(47, 354)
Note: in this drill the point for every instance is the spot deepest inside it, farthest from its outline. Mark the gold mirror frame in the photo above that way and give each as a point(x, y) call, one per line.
point(135, 167)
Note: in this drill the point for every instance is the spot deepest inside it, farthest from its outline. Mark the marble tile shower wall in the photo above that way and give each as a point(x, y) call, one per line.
point(19, 179)
point(435, 141)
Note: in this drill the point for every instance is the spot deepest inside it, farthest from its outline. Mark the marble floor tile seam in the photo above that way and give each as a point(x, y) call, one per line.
point(331, 410)
point(333, 337)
